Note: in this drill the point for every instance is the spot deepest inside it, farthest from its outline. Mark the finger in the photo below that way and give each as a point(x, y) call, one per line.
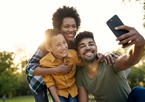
point(98, 55)
point(111, 58)
point(105, 61)
point(123, 27)
point(99, 60)
point(124, 36)
point(70, 66)
point(66, 63)
point(127, 40)
point(117, 54)
point(69, 70)
point(108, 59)
point(102, 59)
point(129, 44)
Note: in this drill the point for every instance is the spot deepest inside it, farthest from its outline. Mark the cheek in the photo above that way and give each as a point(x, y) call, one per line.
point(56, 49)
point(81, 51)
point(63, 30)
point(66, 46)
point(75, 29)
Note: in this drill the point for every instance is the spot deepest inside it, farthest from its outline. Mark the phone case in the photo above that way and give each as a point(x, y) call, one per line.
point(114, 22)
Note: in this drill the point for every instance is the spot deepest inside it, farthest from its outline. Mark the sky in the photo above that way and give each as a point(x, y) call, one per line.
point(23, 22)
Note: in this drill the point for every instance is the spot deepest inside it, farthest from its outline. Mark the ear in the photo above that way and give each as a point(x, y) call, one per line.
point(48, 48)
point(96, 47)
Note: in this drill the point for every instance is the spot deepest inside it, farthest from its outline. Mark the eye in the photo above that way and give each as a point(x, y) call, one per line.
point(91, 44)
point(58, 45)
point(64, 42)
point(82, 46)
point(74, 26)
point(66, 26)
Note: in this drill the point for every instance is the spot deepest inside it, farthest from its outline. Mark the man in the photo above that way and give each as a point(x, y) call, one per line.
point(106, 83)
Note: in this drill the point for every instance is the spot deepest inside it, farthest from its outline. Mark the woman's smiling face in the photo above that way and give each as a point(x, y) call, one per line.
point(69, 28)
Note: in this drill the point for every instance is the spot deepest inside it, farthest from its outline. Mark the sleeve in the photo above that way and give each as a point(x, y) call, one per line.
point(79, 81)
point(34, 61)
point(48, 79)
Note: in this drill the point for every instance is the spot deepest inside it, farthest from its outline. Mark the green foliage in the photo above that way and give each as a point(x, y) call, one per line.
point(22, 85)
point(7, 77)
point(12, 83)
point(136, 77)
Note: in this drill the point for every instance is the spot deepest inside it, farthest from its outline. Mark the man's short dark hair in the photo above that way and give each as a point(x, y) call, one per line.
point(49, 33)
point(82, 35)
point(61, 13)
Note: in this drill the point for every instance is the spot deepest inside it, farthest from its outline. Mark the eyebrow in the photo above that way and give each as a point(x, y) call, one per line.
point(81, 44)
point(84, 43)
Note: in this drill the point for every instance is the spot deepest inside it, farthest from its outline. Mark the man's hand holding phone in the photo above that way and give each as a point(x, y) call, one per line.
point(132, 37)
point(125, 35)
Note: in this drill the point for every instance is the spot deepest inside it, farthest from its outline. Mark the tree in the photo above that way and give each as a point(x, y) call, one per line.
point(7, 77)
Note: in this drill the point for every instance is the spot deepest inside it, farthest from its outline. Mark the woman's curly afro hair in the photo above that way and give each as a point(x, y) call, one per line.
point(65, 12)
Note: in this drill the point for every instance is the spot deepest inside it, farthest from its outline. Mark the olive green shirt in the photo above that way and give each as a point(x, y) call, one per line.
point(109, 85)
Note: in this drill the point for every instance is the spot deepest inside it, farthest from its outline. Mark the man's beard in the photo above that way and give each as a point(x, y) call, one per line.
point(89, 60)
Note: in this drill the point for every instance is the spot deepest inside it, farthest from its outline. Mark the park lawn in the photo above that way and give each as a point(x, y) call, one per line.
point(22, 99)
point(31, 99)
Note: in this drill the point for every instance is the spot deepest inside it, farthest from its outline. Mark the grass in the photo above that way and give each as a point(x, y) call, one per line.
point(31, 99)
point(22, 99)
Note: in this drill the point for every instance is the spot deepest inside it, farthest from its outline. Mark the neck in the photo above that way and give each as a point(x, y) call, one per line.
point(70, 45)
point(92, 68)
point(61, 58)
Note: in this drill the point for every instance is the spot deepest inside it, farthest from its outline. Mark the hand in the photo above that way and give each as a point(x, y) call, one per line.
point(132, 37)
point(64, 68)
point(101, 57)
point(109, 57)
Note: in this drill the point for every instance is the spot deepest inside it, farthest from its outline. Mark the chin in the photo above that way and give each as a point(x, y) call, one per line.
point(64, 55)
point(70, 39)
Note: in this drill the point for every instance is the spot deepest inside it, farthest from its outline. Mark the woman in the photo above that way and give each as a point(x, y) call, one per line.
point(68, 21)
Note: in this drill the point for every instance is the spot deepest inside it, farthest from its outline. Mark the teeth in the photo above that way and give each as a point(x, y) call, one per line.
point(70, 35)
point(88, 53)
point(63, 51)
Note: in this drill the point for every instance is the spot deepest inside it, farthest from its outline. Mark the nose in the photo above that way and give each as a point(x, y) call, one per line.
point(63, 46)
point(71, 29)
point(87, 47)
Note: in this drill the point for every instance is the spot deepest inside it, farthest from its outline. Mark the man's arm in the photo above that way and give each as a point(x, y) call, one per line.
point(135, 53)
point(83, 95)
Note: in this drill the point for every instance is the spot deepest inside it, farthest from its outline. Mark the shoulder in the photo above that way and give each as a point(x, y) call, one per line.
point(80, 77)
point(109, 68)
point(80, 71)
point(45, 59)
point(72, 52)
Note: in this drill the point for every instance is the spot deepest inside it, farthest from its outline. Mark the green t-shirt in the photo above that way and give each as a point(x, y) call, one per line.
point(109, 85)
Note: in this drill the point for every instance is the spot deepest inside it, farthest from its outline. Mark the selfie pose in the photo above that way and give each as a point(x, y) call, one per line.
point(108, 83)
point(68, 21)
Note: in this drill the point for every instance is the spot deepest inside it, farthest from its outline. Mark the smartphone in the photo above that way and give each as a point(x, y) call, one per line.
point(113, 22)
